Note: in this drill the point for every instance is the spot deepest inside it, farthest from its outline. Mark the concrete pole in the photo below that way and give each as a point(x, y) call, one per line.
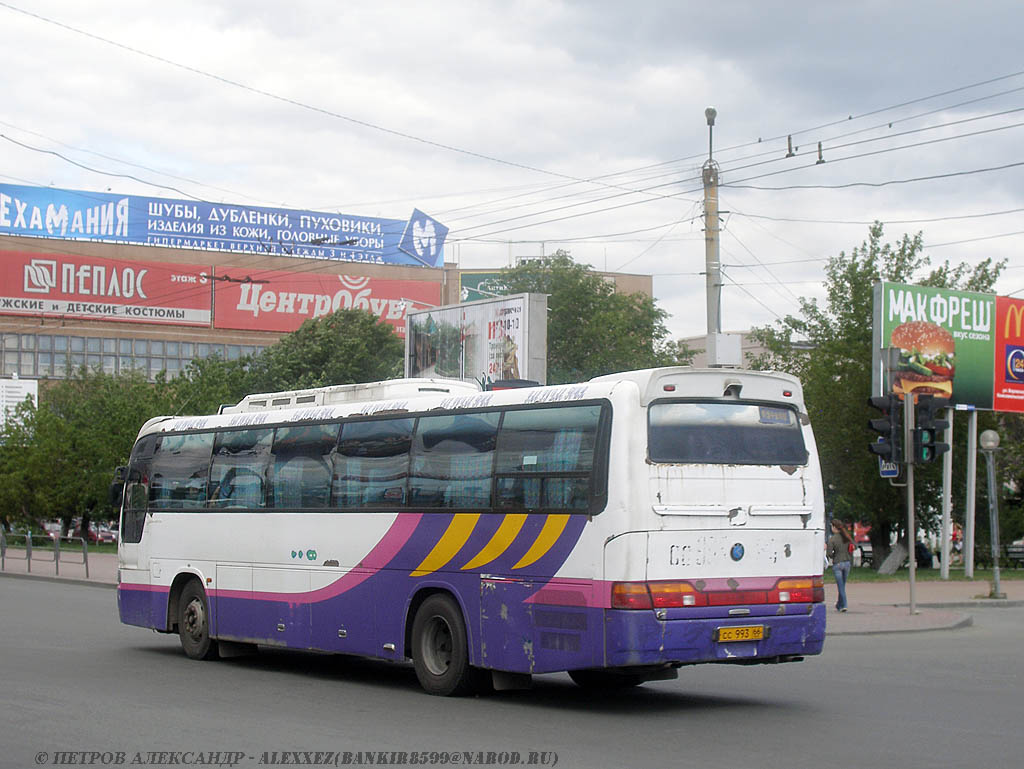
point(712, 262)
point(908, 443)
point(972, 478)
point(993, 517)
point(947, 499)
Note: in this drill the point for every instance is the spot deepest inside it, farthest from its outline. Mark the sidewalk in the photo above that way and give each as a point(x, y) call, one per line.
point(884, 607)
point(102, 566)
point(875, 607)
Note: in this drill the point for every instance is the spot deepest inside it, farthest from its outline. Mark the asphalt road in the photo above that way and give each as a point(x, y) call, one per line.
point(73, 679)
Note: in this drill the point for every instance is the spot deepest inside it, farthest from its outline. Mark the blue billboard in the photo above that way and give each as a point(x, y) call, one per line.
point(103, 216)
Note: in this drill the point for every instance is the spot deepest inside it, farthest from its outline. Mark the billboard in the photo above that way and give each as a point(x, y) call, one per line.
point(1008, 394)
point(12, 393)
point(282, 301)
point(73, 214)
point(483, 341)
point(72, 286)
point(963, 345)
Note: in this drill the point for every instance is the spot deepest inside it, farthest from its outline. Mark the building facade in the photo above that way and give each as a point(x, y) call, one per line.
point(67, 303)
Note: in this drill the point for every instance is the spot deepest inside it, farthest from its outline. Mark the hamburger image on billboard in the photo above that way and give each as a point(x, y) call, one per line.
point(926, 362)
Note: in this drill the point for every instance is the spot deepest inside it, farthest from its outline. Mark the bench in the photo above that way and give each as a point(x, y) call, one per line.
point(1015, 554)
point(1010, 555)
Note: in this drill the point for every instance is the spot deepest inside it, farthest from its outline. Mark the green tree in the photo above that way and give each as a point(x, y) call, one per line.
point(57, 459)
point(592, 330)
point(342, 348)
point(208, 383)
point(59, 456)
point(829, 348)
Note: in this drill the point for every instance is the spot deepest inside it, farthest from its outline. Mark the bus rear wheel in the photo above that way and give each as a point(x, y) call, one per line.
point(194, 623)
point(440, 649)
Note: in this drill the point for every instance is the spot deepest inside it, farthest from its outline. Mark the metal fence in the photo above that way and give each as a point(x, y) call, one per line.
point(52, 550)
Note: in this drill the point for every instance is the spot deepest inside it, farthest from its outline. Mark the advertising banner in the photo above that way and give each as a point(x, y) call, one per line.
point(482, 341)
point(74, 286)
point(474, 286)
point(77, 215)
point(1009, 355)
point(12, 393)
point(282, 301)
point(961, 345)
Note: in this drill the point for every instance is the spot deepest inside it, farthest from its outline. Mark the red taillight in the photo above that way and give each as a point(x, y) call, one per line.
point(800, 590)
point(630, 595)
point(668, 595)
point(679, 594)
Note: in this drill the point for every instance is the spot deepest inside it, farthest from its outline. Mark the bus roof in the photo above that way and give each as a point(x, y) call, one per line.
point(686, 382)
point(350, 393)
point(398, 396)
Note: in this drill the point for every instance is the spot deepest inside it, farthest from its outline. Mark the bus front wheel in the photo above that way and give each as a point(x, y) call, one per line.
point(440, 650)
point(194, 623)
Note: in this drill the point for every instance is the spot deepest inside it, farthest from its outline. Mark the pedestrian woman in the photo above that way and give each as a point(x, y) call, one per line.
point(838, 550)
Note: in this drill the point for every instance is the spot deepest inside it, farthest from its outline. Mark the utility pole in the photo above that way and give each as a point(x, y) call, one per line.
point(712, 264)
point(908, 443)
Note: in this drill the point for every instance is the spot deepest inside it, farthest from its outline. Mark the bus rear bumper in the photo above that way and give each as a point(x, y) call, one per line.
point(640, 638)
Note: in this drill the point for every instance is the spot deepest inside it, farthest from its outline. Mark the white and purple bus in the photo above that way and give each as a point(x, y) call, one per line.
point(616, 529)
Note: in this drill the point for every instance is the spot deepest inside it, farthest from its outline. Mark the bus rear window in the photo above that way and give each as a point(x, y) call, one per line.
point(724, 434)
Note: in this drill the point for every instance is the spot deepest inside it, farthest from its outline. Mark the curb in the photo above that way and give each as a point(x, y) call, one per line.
point(966, 621)
point(978, 603)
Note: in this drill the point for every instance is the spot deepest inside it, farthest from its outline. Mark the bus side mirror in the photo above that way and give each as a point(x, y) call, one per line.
point(116, 493)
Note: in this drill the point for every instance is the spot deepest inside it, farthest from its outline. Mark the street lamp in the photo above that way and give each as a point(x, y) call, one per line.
point(989, 441)
point(710, 114)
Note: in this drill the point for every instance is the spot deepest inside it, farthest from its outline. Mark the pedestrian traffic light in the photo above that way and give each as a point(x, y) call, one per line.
point(928, 430)
point(889, 426)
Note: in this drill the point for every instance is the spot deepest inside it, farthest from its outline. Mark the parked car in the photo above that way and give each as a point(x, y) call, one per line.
point(106, 534)
point(52, 530)
point(90, 535)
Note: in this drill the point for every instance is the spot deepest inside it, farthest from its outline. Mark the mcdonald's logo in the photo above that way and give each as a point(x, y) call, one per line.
point(1015, 313)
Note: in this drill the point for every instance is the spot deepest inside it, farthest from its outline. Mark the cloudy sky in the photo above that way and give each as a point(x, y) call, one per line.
point(527, 126)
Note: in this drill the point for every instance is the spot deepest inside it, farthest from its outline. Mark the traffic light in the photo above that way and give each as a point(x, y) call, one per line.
point(928, 430)
point(889, 446)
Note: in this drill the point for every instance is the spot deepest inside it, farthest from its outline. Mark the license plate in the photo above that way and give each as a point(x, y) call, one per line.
point(740, 633)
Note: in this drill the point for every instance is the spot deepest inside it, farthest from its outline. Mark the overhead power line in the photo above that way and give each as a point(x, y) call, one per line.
point(876, 184)
point(930, 220)
point(301, 104)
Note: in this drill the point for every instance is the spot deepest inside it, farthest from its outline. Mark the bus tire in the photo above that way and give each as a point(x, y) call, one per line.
point(605, 679)
point(194, 623)
point(440, 649)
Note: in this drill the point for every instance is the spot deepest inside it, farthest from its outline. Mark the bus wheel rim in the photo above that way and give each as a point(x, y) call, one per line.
point(194, 619)
point(437, 646)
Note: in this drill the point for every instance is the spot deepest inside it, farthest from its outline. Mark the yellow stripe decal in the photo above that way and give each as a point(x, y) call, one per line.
point(553, 528)
point(451, 542)
point(501, 540)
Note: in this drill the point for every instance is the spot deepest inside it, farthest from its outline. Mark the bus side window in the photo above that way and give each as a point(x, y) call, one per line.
point(239, 468)
point(371, 464)
point(301, 473)
point(452, 461)
point(181, 471)
point(546, 458)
